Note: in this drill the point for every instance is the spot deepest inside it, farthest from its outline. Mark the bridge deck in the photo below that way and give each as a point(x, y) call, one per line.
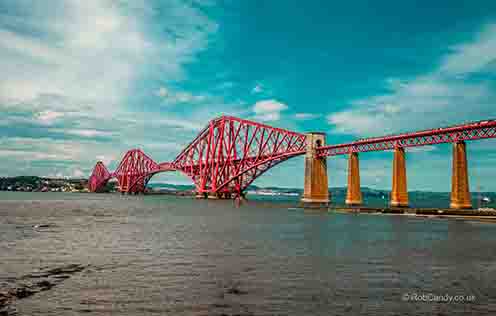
point(230, 153)
point(470, 131)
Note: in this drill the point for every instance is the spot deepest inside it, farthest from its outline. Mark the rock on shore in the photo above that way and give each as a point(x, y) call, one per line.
point(33, 283)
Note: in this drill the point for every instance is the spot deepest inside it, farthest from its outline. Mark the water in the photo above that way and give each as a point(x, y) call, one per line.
point(164, 255)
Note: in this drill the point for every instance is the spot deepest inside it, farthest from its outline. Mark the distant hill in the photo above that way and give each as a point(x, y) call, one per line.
point(32, 183)
point(371, 197)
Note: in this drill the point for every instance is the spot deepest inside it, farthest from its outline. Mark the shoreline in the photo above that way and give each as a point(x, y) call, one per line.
point(470, 214)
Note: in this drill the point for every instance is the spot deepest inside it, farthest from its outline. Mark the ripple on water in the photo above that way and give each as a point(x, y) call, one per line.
point(158, 255)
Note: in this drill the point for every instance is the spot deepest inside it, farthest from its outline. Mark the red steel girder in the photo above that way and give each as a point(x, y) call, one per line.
point(470, 131)
point(227, 156)
point(134, 171)
point(99, 177)
point(230, 153)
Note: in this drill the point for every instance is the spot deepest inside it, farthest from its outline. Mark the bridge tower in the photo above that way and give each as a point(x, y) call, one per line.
point(353, 194)
point(316, 191)
point(399, 194)
point(460, 193)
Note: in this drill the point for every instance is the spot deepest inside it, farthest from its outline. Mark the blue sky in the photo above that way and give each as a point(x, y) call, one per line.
point(86, 80)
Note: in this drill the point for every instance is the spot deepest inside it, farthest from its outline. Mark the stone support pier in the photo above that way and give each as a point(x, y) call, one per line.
point(353, 195)
point(399, 194)
point(316, 191)
point(460, 193)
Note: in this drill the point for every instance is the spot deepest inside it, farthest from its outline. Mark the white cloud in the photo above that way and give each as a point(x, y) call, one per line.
point(95, 50)
point(269, 110)
point(188, 97)
point(32, 47)
point(70, 75)
point(306, 116)
point(48, 116)
point(162, 92)
point(105, 159)
point(29, 149)
point(474, 56)
point(357, 123)
point(78, 173)
point(422, 149)
point(56, 175)
point(173, 97)
point(75, 52)
point(28, 155)
point(87, 132)
point(456, 91)
point(44, 156)
point(182, 123)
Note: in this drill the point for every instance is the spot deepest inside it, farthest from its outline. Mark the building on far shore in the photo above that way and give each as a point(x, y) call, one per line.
point(38, 184)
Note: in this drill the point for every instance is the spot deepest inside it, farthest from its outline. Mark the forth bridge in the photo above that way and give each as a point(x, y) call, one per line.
point(230, 153)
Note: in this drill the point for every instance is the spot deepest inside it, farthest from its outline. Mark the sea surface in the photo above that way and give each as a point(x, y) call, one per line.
point(166, 255)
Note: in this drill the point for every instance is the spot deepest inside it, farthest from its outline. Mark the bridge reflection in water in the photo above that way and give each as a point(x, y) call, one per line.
point(230, 153)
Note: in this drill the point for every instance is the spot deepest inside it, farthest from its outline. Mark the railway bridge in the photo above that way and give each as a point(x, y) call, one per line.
point(230, 153)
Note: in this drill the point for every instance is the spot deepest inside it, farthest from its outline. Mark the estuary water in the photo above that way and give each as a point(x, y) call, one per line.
point(166, 255)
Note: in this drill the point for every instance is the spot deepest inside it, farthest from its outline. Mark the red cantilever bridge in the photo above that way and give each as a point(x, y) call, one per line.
point(230, 153)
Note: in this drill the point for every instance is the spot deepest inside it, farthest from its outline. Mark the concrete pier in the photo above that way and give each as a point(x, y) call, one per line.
point(316, 191)
point(353, 195)
point(399, 194)
point(460, 193)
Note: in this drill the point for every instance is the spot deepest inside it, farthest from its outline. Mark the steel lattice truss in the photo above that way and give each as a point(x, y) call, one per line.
point(134, 171)
point(471, 131)
point(99, 177)
point(226, 157)
point(230, 153)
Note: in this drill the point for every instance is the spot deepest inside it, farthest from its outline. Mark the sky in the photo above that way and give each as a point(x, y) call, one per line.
point(82, 81)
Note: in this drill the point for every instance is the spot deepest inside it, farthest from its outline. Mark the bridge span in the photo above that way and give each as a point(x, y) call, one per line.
point(230, 153)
